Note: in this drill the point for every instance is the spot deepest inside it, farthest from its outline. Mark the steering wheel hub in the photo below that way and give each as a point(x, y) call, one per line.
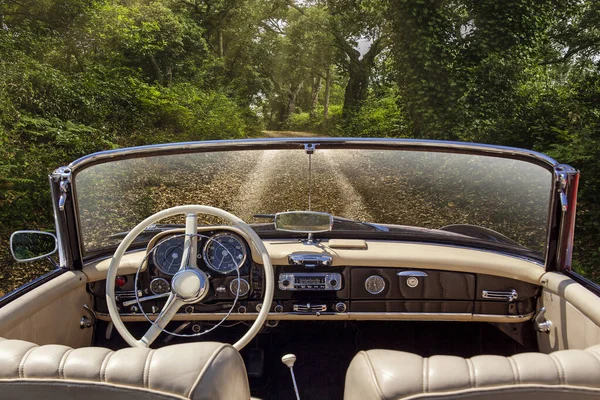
point(190, 285)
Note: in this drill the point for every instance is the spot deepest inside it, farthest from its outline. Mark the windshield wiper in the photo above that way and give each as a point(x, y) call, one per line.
point(378, 227)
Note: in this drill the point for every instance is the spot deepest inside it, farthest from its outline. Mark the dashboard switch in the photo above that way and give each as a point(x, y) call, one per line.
point(120, 280)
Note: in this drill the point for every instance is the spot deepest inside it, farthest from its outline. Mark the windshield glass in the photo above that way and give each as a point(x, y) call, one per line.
point(410, 188)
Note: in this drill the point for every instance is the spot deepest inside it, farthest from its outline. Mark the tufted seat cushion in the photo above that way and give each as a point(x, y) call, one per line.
point(204, 370)
point(386, 374)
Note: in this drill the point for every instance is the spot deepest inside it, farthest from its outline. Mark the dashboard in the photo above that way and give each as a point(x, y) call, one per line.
point(311, 284)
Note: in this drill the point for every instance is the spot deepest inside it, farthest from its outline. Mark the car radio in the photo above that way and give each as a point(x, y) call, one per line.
point(310, 281)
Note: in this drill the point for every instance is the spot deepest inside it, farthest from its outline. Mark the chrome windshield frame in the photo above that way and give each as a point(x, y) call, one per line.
point(321, 143)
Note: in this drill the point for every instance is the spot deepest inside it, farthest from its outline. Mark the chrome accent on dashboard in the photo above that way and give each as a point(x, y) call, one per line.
point(244, 287)
point(381, 316)
point(299, 281)
point(142, 299)
point(310, 308)
point(310, 260)
point(500, 295)
point(412, 273)
point(375, 284)
point(215, 238)
point(412, 281)
point(160, 286)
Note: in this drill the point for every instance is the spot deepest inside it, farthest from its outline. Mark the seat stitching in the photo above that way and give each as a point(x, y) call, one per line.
point(596, 355)
point(425, 375)
point(104, 365)
point(472, 376)
point(515, 369)
point(559, 367)
point(210, 360)
point(61, 364)
point(147, 369)
point(22, 363)
point(370, 365)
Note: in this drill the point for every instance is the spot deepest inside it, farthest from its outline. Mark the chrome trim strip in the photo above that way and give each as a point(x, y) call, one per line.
point(326, 142)
point(500, 295)
point(382, 316)
point(411, 273)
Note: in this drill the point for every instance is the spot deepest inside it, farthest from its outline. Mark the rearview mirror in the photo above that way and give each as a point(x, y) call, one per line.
point(303, 221)
point(32, 245)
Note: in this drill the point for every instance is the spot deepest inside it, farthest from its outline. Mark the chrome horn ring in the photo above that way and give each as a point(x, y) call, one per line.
point(173, 304)
point(195, 295)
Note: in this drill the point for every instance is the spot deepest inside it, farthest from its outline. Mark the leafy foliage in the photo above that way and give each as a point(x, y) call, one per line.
point(77, 76)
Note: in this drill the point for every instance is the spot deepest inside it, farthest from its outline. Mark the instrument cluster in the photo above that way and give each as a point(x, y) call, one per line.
point(222, 252)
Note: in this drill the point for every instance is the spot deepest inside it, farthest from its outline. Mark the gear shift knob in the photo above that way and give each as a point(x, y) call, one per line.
point(289, 360)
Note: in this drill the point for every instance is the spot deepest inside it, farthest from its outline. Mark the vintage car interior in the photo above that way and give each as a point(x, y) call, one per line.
point(186, 271)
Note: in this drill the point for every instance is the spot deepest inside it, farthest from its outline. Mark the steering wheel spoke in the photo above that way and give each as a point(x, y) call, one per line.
point(166, 315)
point(190, 245)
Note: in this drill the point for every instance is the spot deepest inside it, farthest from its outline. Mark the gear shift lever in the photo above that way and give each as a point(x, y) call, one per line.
point(289, 360)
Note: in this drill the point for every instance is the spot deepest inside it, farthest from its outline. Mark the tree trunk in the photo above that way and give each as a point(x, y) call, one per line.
point(292, 99)
point(156, 69)
point(327, 92)
point(314, 95)
point(359, 74)
point(356, 90)
point(169, 74)
point(221, 50)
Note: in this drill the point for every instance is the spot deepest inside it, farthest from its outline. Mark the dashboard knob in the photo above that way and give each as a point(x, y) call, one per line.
point(258, 307)
point(285, 282)
point(189, 309)
point(278, 308)
point(242, 309)
point(134, 309)
point(340, 307)
point(333, 282)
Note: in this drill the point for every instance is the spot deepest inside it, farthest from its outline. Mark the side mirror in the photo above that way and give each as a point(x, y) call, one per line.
point(303, 221)
point(32, 245)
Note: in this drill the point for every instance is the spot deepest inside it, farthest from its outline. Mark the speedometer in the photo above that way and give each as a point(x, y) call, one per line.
point(168, 254)
point(224, 252)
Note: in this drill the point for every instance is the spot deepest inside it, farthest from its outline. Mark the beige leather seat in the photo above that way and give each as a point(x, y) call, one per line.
point(204, 370)
point(386, 374)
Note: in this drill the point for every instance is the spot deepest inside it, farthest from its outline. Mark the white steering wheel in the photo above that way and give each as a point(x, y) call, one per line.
point(189, 284)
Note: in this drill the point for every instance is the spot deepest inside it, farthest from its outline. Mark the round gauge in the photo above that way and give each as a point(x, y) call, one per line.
point(374, 284)
point(159, 286)
point(224, 252)
point(168, 254)
point(243, 284)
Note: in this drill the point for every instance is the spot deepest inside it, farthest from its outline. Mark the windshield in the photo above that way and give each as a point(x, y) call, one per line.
point(410, 188)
